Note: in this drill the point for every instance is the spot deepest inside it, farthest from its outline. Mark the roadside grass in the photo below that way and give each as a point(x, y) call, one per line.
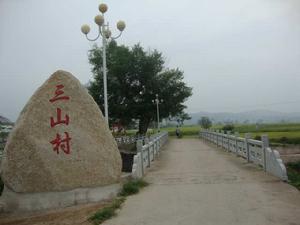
point(107, 212)
point(129, 188)
point(132, 187)
point(293, 171)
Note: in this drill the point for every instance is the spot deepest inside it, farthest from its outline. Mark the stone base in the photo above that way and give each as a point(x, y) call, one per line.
point(13, 202)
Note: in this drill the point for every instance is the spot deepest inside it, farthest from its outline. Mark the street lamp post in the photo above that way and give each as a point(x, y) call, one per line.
point(157, 102)
point(105, 33)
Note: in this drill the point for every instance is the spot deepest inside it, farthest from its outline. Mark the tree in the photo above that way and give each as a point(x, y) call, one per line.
point(205, 122)
point(134, 77)
point(180, 118)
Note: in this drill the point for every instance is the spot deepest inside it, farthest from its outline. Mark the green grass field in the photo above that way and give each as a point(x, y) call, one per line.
point(278, 133)
point(281, 133)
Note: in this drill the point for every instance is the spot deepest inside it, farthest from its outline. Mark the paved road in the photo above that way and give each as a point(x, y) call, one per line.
point(193, 183)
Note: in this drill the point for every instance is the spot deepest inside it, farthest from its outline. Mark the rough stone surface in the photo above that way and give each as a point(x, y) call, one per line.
point(30, 162)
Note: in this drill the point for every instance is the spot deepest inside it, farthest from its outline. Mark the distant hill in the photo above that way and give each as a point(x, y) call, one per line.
point(260, 116)
point(4, 120)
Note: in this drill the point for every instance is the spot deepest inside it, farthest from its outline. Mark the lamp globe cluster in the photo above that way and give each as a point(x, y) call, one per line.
point(105, 33)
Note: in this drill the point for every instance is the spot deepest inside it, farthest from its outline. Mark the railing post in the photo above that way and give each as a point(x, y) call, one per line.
point(139, 147)
point(221, 134)
point(148, 151)
point(247, 136)
point(236, 134)
point(228, 140)
point(265, 145)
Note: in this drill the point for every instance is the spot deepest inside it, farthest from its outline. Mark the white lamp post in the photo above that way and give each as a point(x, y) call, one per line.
point(157, 102)
point(105, 33)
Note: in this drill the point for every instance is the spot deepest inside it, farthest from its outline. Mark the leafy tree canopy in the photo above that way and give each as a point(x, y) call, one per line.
point(134, 77)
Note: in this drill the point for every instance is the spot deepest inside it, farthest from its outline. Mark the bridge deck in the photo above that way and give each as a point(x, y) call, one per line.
point(195, 183)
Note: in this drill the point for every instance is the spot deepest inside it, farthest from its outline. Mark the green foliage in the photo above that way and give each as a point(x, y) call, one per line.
point(293, 170)
point(278, 133)
point(228, 127)
point(278, 127)
point(288, 137)
point(205, 122)
point(3, 135)
point(107, 212)
point(134, 77)
point(133, 187)
point(281, 133)
point(257, 137)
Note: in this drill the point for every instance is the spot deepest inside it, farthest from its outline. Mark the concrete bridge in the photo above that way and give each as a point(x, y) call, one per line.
point(194, 182)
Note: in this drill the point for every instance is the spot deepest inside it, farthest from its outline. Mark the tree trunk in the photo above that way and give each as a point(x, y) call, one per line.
point(143, 125)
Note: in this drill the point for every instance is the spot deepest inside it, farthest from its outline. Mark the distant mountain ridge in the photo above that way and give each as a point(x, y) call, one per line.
point(256, 116)
point(4, 120)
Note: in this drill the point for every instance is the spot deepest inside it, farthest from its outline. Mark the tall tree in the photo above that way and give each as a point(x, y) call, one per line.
point(134, 77)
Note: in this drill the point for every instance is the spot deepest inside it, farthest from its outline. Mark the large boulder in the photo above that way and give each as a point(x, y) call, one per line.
point(60, 142)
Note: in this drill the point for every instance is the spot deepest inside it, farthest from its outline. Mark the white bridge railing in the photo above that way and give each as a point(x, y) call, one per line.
point(129, 139)
point(257, 152)
point(147, 153)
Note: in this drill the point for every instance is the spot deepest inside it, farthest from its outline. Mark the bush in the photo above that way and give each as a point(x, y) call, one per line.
point(284, 140)
point(293, 171)
point(257, 137)
point(228, 127)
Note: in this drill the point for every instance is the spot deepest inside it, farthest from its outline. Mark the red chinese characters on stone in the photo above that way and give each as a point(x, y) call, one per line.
point(58, 93)
point(59, 119)
point(61, 144)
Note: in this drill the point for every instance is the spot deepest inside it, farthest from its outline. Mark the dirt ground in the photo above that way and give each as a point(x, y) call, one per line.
point(68, 216)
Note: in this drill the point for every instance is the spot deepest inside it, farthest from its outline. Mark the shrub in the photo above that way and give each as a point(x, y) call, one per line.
point(132, 187)
point(293, 170)
point(228, 127)
point(257, 137)
point(284, 140)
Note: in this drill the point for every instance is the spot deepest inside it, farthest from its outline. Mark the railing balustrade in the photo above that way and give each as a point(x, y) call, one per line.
point(254, 151)
point(147, 152)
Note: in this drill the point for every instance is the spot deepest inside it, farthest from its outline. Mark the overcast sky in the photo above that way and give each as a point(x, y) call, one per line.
point(238, 55)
